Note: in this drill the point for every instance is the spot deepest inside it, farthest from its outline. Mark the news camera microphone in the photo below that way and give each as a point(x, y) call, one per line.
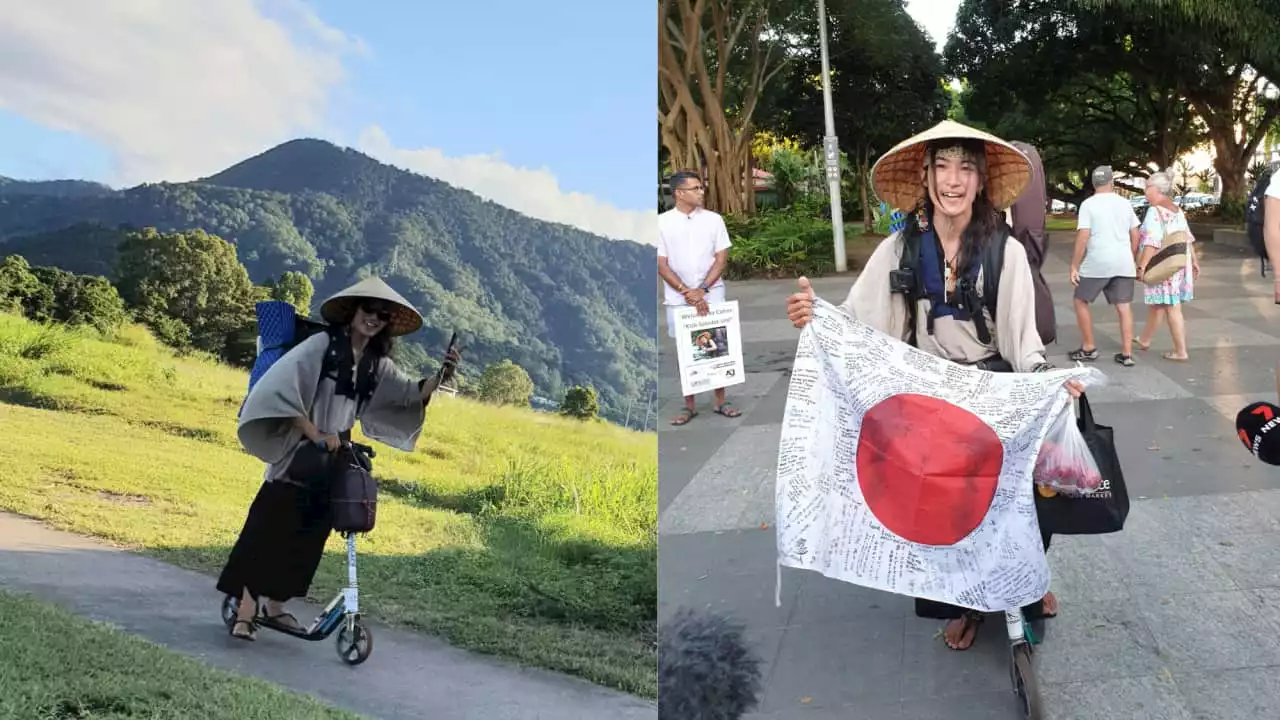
point(1257, 427)
point(706, 670)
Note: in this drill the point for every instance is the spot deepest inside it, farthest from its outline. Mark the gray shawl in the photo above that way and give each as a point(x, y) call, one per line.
point(292, 388)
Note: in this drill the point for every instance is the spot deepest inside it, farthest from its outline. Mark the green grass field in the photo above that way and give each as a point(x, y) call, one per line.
point(58, 666)
point(525, 535)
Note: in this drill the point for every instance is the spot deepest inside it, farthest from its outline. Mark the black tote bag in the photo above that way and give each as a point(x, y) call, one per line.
point(1101, 512)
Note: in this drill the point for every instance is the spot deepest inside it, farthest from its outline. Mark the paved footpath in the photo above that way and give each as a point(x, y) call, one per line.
point(1174, 618)
point(409, 676)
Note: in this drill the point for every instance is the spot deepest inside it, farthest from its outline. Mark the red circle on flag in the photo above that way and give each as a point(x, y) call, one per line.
point(928, 469)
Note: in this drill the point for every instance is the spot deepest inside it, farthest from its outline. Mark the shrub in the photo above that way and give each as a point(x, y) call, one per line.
point(505, 383)
point(581, 403)
point(781, 243)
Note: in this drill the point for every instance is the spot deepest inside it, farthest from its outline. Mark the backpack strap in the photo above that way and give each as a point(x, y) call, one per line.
point(992, 267)
point(910, 263)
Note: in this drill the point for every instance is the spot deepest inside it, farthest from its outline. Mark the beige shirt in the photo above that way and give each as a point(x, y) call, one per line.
point(1013, 334)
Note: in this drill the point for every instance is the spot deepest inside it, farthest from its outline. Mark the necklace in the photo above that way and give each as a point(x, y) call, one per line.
point(949, 274)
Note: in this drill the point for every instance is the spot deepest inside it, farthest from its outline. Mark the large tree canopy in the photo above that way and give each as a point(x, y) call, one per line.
point(1123, 83)
point(885, 84)
point(716, 58)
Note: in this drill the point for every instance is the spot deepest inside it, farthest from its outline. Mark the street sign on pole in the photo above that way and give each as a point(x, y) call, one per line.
point(831, 146)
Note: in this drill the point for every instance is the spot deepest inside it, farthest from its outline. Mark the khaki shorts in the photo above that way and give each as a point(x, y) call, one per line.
point(1117, 290)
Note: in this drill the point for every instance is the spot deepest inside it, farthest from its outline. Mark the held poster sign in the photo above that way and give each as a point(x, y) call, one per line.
point(709, 348)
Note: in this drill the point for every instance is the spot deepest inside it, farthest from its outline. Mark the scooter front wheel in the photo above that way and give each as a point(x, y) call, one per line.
point(354, 647)
point(230, 610)
point(1025, 684)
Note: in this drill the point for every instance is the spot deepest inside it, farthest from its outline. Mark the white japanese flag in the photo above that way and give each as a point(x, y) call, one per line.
point(903, 472)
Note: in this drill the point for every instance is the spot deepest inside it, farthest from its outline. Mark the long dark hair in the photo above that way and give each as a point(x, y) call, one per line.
point(984, 221)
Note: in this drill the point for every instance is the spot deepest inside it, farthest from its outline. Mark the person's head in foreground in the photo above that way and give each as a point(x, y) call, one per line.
point(372, 313)
point(955, 179)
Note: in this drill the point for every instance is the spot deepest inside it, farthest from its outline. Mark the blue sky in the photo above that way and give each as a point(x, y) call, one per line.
point(547, 108)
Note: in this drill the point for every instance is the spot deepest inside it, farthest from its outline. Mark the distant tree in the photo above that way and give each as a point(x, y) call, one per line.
point(580, 402)
point(17, 284)
point(505, 383)
point(186, 279)
point(81, 300)
point(294, 288)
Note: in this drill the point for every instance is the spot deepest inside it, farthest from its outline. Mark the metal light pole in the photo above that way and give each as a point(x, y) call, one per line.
point(831, 145)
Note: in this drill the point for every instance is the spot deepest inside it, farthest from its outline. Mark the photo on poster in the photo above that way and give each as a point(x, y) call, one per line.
point(711, 348)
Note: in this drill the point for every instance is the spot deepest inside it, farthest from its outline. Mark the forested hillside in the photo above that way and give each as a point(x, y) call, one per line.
point(568, 306)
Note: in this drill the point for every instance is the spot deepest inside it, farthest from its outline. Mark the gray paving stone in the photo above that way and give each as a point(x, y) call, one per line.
point(837, 664)
point(1211, 631)
point(1219, 517)
point(931, 669)
point(1095, 641)
point(1231, 694)
point(1143, 698)
point(1084, 570)
point(734, 489)
point(1157, 559)
point(993, 705)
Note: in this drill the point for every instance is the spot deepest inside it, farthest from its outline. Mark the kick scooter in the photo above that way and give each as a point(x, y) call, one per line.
point(355, 640)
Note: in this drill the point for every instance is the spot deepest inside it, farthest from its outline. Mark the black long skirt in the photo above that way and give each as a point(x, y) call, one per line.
point(281, 544)
point(942, 611)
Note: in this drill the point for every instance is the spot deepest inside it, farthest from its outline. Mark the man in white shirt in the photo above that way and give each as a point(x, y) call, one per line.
point(1105, 261)
point(693, 247)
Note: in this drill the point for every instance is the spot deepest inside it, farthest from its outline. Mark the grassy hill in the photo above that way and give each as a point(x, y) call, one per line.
point(507, 531)
point(567, 306)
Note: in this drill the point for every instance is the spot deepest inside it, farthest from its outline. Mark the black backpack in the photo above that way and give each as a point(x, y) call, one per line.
point(1254, 213)
point(992, 263)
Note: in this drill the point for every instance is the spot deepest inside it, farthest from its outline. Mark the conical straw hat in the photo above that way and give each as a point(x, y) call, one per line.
point(340, 308)
point(897, 176)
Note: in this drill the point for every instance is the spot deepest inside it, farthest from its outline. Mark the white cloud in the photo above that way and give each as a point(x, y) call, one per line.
point(177, 89)
point(535, 193)
point(181, 89)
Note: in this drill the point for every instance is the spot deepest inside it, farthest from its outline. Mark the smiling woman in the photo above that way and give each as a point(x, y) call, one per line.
point(295, 425)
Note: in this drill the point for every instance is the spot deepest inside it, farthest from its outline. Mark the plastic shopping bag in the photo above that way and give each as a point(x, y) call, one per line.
point(1065, 463)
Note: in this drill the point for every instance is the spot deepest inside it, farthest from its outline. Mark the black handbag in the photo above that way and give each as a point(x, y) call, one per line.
point(353, 493)
point(1101, 512)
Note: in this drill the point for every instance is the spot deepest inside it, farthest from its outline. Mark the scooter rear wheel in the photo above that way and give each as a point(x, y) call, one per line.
point(354, 648)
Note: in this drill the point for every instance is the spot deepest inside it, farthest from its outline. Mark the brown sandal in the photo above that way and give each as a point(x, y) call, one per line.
point(971, 621)
point(684, 417)
point(250, 635)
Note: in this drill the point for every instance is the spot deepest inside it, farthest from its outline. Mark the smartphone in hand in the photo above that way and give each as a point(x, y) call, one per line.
point(446, 370)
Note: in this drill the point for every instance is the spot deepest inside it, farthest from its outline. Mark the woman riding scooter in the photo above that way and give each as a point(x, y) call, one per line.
point(300, 412)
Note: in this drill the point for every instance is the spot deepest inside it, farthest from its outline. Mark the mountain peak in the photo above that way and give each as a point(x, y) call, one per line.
point(309, 164)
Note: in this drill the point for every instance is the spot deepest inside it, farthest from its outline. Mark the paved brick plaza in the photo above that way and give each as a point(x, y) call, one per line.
point(1175, 618)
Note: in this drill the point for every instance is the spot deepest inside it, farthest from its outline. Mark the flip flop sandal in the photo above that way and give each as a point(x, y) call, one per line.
point(684, 417)
point(1142, 347)
point(247, 637)
point(278, 621)
point(972, 623)
point(721, 411)
point(1171, 358)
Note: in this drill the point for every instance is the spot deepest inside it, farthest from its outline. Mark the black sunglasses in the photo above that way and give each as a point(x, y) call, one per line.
point(378, 311)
